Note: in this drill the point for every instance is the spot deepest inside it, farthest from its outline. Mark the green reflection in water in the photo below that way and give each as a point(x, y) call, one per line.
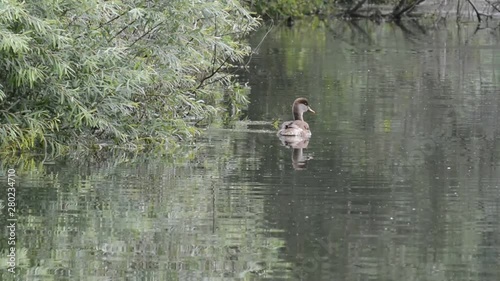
point(401, 180)
point(402, 183)
point(144, 218)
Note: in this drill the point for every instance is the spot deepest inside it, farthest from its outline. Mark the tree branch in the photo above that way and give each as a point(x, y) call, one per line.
point(478, 14)
point(146, 33)
point(493, 5)
point(401, 9)
point(256, 49)
point(121, 30)
point(101, 25)
point(214, 71)
point(113, 19)
point(355, 8)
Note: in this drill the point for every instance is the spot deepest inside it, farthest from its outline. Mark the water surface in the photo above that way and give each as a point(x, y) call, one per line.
point(399, 181)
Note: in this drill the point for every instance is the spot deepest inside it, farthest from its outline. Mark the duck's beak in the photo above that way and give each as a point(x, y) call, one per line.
point(310, 109)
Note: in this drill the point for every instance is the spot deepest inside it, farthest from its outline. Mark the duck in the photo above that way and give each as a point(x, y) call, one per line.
point(298, 127)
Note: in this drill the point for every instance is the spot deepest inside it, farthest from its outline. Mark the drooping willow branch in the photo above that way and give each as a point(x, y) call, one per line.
point(146, 33)
point(214, 71)
point(121, 31)
point(256, 49)
point(214, 59)
point(100, 25)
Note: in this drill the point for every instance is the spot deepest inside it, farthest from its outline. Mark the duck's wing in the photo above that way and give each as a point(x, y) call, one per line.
point(287, 124)
point(290, 128)
point(295, 128)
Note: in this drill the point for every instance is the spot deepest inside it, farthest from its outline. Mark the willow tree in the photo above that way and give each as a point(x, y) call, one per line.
point(116, 72)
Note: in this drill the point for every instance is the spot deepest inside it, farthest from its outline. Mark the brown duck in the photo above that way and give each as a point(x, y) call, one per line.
point(297, 127)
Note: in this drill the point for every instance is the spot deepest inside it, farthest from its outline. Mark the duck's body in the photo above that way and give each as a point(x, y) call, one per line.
point(297, 127)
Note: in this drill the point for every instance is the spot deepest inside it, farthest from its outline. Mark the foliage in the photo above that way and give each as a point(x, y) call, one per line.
point(286, 8)
point(125, 72)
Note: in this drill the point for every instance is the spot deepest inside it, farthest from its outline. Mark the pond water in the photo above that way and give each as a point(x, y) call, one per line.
point(400, 180)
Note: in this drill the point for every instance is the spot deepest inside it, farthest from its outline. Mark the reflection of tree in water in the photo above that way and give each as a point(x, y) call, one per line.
point(404, 147)
point(482, 10)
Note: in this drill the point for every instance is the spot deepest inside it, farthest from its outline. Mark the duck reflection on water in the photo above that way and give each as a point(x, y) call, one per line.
point(297, 144)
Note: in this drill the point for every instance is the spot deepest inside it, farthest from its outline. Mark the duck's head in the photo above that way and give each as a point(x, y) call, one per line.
point(300, 106)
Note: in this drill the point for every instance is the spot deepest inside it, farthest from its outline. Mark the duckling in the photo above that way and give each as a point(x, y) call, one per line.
point(298, 127)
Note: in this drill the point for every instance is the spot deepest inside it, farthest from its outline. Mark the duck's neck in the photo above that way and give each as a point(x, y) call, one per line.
point(297, 115)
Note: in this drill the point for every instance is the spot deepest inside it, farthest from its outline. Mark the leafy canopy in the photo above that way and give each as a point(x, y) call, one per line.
point(128, 73)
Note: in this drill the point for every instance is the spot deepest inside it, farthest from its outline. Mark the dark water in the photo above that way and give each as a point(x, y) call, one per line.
point(400, 180)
